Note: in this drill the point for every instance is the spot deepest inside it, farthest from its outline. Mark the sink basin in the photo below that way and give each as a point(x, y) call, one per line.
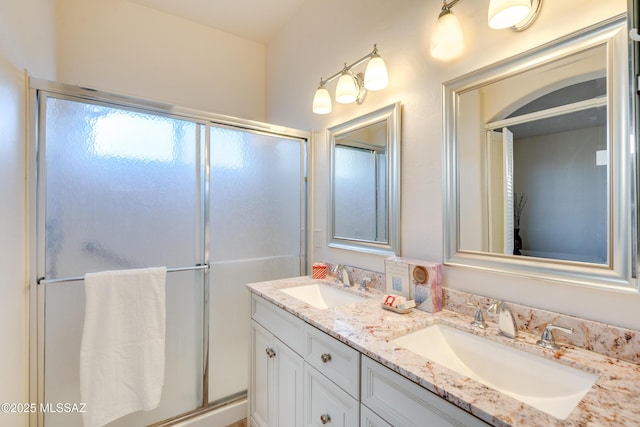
point(322, 296)
point(546, 385)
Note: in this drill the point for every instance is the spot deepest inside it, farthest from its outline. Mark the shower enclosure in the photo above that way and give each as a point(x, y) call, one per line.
point(121, 183)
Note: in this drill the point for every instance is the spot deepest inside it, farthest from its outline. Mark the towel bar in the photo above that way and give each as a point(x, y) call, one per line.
point(43, 281)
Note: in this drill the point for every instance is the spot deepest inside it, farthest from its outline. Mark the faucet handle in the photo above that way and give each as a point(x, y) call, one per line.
point(337, 271)
point(478, 318)
point(364, 282)
point(547, 340)
point(494, 308)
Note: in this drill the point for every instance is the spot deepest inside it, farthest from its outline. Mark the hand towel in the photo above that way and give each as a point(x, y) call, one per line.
point(123, 343)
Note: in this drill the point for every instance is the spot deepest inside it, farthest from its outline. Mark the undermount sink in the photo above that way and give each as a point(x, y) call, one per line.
point(546, 385)
point(322, 296)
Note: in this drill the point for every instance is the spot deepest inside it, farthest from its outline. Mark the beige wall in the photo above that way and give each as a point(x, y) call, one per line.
point(325, 35)
point(27, 40)
point(125, 48)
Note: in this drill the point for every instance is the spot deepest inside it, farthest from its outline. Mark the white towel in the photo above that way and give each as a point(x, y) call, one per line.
point(122, 350)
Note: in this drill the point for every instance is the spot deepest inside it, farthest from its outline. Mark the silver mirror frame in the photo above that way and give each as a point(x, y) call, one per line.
point(621, 273)
point(391, 114)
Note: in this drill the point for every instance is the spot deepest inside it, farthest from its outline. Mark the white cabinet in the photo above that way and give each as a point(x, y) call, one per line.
point(276, 381)
point(276, 378)
point(303, 377)
point(285, 388)
point(334, 359)
point(325, 403)
point(261, 376)
point(401, 402)
point(368, 418)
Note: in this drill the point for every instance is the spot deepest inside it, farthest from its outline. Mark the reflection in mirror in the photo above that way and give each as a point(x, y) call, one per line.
point(360, 191)
point(538, 178)
point(552, 152)
point(364, 188)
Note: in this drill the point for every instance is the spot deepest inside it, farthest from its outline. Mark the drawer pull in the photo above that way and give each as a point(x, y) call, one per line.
point(325, 418)
point(326, 357)
point(270, 352)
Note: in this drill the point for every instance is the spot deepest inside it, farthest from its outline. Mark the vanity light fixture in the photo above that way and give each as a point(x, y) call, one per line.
point(352, 86)
point(447, 41)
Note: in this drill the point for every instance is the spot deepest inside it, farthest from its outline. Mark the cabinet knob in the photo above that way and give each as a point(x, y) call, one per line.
point(270, 352)
point(325, 418)
point(326, 357)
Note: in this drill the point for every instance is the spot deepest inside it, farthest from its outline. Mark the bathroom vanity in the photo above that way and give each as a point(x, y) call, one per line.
point(343, 364)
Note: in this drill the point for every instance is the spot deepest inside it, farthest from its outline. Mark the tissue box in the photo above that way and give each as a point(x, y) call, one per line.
point(319, 270)
point(415, 279)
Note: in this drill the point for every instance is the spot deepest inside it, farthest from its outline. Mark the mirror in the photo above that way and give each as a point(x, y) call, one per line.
point(364, 188)
point(539, 169)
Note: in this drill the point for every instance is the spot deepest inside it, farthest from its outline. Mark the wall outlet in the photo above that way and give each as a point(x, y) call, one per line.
point(317, 238)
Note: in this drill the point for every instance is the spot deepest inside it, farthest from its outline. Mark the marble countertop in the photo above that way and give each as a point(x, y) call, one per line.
point(614, 400)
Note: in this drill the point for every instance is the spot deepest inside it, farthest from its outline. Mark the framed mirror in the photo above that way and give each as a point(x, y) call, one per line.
point(540, 171)
point(364, 187)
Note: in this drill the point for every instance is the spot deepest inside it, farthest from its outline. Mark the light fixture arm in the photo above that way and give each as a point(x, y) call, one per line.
point(370, 55)
point(446, 7)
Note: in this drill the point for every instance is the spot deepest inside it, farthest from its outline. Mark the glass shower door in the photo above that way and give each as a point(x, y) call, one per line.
point(257, 220)
point(120, 189)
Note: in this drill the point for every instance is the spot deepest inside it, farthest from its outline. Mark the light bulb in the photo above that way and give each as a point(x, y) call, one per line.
point(322, 101)
point(376, 76)
point(347, 88)
point(447, 41)
point(507, 13)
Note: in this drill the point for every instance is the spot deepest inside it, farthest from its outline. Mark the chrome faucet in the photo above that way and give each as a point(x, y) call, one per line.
point(478, 318)
point(342, 275)
point(506, 321)
point(547, 340)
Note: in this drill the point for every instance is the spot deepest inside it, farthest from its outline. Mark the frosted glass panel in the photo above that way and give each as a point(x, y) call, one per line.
point(255, 195)
point(256, 228)
point(183, 352)
point(121, 192)
point(121, 189)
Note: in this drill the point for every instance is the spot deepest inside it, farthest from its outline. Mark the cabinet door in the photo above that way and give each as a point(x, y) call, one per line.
point(368, 418)
point(326, 403)
point(261, 379)
point(288, 380)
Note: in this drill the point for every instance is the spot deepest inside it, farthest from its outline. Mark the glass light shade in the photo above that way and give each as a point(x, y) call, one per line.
point(447, 41)
point(322, 101)
point(346, 89)
point(507, 13)
point(376, 76)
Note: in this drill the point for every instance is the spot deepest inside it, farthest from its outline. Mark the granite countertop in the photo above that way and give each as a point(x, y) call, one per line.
point(614, 400)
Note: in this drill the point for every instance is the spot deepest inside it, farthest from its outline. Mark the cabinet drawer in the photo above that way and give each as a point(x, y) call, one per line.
point(287, 327)
point(339, 362)
point(401, 402)
point(325, 403)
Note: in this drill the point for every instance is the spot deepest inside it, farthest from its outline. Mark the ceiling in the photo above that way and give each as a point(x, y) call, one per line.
point(256, 20)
